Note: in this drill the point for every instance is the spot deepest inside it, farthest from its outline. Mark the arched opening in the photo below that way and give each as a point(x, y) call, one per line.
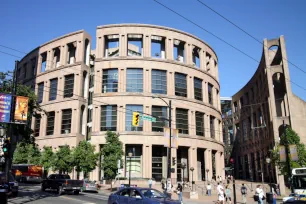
point(86, 52)
point(279, 88)
point(85, 85)
point(275, 55)
point(82, 120)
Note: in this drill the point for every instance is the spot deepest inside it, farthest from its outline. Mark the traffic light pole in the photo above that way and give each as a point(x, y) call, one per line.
point(8, 159)
point(169, 150)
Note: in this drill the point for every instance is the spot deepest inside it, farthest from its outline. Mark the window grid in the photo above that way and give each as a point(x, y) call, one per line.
point(40, 92)
point(134, 80)
point(37, 126)
point(180, 85)
point(198, 93)
point(200, 124)
point(69, 84)
point(66, 121)
point(182, 121)
point(159, 112)
point(108, 118)
point(110, 80)
point(50, 123)
point(159, 81)
point(129, 115)
point(210, 94)
point(53, 89)
point(212, 126)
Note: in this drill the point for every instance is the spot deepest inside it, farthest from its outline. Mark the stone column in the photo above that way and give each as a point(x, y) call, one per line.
point(171, 83)
point(147, 125)
point(207, 130)
point(169, 48)
point(75, 118)
point(205, 92)
point(100, 47)
point(79, 51)
point(146, 80)
point(43, 124)
point(222, 165)
point(123, 45)
point(217, 163)
point(58, 122)
point(96, 111)
point(98, 81)
point(191, 121)
point(192, 160)
point(77, 84)
point(120, 118)
point(49, 60)
point(208, 163)
point(147, 161)
point(217, 71)
point(187, 58)
point(190, 87)
point(147, 45)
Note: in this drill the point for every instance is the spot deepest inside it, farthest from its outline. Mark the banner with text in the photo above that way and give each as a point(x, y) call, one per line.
point(5, 107)
point(174, 138)
point(293, 153)
point(21, 109)
point(282, 153)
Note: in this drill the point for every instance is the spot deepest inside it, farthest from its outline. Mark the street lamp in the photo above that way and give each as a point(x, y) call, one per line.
point(192, 169)
point(130, 155)
point(169, 149)
point(268, 160)
point(207, 170)
point(183, 167)
point(2, 131)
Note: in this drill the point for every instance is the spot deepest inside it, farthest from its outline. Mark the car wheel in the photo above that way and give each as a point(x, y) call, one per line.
point(60, 190)
point(43, 189)
point(76, 192)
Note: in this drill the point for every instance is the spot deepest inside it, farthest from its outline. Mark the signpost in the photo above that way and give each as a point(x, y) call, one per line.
point(148, 118)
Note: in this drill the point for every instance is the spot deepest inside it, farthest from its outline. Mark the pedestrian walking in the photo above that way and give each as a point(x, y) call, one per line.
point(228, 193)
point(260, 193)
point(150, 183)
point(180, 192)
point(244, 192)
point(220, 190)
point(208, 187)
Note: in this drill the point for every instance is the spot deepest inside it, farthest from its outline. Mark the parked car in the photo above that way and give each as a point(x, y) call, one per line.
point(14, 186)
point(290, 198)
point(62, 183)
point(140, 195)
point(89, 186)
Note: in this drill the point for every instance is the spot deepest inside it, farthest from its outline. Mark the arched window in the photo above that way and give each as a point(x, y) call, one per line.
point(279, 87)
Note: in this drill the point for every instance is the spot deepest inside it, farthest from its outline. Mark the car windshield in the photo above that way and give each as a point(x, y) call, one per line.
point(299, 182)
point(90, 182)
point(10, 175)
point(152, 193)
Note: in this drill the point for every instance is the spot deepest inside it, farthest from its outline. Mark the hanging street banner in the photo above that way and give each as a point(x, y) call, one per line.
point(282, 153)
point(293, 153)
point(174, 138)
point(21, 109)
point(5, 107)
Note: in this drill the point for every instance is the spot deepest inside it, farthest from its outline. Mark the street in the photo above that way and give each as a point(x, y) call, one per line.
point(31, 194)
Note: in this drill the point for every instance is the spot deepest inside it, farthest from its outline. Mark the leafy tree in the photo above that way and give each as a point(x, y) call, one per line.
point(34, 154)
point(111, 153)
point(47, 159)
point(21, 153)
point(63, 161)
point(292, 138)
point(84, 157)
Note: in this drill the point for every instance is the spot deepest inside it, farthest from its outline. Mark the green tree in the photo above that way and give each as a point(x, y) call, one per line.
point(84, 158)
point(34, 154)
point(111, 153)
point(293, 138)
point(63, 161)
point(47, 159)
point(21, 153)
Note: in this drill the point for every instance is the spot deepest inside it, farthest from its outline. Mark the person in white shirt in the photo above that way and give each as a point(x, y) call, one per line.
point(220, 190)
point(208, 187)
point(260, 193)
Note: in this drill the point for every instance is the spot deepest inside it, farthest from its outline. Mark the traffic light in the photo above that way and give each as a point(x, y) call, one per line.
point(173, 161)
point(136, 119)
point(6, 146)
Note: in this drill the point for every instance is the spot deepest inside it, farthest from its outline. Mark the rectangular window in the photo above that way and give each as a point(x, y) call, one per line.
point(53, 89)
point(111, 46)
point(134, 78)
point(108, 118)
point(90, 98)
point(43, 62)
point(160, 113)
point(110, 80)
point(198, 94)
point(69, 84)
point(135, 45)
point(212, 126)
point(50, 123)
point(199, 124)
point(182, 120)
point(235, 107)
point(71, 52)
point(40, 94)
point(66, 121)
point(37, 126)
point(180, 85)
point(89, 115)
point(196, 56)
point(179, 50)
point(33, 66)
point(210, 94)
point(56, 57)
point(129, 117)
point(159, 81)
point(91, 81)
point(158, 47)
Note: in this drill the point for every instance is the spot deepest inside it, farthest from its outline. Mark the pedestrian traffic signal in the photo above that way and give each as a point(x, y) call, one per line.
point(173, 161)
point(136, 119)
point(6, 146)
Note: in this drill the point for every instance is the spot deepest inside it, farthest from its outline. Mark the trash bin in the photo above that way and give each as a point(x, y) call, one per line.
point(269, 198)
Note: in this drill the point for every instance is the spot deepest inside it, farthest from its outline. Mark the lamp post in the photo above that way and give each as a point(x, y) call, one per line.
point(169, 149)
point(207, 170)
point(192, 169)
point(2, 131)
point(130, 155)
point(268, 160)
point(183, 167)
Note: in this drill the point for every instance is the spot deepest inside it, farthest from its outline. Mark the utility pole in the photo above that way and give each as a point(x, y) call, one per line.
point(287, 157)
point(8, 160)
point(169, 150)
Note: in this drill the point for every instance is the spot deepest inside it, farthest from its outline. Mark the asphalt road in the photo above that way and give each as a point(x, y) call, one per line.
point(31, 194)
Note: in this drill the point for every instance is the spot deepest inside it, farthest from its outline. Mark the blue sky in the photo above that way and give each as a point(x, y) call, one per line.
point(27, 24)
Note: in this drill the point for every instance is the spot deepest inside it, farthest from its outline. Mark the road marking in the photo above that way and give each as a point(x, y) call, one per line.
point(101, 197)
point(69, 198)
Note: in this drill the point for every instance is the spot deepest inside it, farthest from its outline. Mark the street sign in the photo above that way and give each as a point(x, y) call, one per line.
point(5, 107)
point(148, 118)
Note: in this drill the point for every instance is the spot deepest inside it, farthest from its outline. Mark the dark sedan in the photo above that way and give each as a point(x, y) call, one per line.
point(140, 196)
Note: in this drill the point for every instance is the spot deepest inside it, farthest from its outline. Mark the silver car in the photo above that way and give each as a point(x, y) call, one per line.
point(89, 186)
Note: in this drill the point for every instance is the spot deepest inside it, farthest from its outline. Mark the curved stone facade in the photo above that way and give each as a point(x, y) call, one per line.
point(131, 64)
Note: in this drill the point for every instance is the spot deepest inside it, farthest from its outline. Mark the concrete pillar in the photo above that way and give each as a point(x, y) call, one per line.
point(146, 80)
point(147, 161)
point(100, 47)
point(212, 66)
point(58, 122)
point(222, 165)
point(217, 71)
point(147, 45)
point(147, 125)
point(98, 83)
point(49, 60)
point(169, 48)
point(191, 121)
point(192, 160)
point(190, 86)
point(187, 58)
point(96, 113)
point(79, 51)
point(122, 109)
point(120, 118)
point(123, 45)
point(207, 124)
point(208, 163)
point(77, 84)
point(75, 118)
point(171, 83)
point(43, 124)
